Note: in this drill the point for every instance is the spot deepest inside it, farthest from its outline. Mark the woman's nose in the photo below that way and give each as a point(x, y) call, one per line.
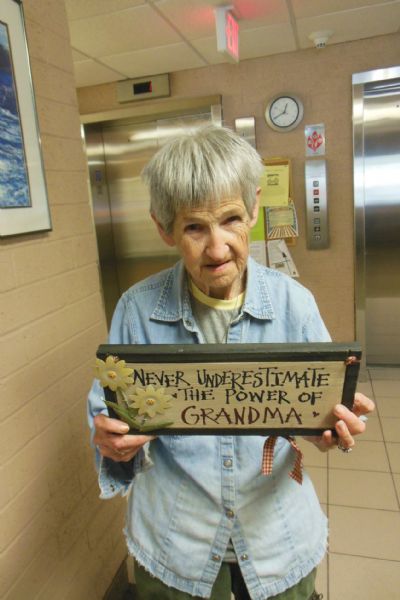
point(216, 247)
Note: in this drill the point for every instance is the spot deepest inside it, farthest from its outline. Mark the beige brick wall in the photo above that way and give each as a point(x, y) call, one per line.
point(57, 539)
point(322, 78)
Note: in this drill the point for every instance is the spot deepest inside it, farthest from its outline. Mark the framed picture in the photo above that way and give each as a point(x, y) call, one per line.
point(23, 195)
point(262, 389)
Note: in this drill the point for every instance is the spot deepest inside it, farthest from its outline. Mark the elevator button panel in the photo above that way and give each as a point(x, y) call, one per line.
point(316, 204)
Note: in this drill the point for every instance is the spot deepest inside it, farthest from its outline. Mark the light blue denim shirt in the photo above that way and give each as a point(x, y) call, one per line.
point(188, 495)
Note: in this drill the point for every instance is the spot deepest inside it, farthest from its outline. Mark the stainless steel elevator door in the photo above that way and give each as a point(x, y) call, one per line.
point(382, 221)
point(132, 248)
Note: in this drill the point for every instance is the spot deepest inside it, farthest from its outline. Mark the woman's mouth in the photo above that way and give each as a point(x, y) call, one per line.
point(216, 267)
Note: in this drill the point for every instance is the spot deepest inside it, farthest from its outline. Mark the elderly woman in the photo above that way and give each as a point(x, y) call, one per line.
point(201, 519)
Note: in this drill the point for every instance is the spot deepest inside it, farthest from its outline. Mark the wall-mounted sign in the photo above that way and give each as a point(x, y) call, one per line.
point(244, 388)
point(274, 183)
point(143, 88)
point(279, 258)
point(315, 139)
point(227, 32)
point(281, 221)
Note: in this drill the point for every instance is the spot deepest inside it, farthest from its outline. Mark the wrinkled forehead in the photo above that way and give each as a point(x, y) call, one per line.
point(211, 209)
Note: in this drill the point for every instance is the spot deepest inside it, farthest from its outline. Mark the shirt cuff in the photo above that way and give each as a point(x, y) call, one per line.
point(117, 477)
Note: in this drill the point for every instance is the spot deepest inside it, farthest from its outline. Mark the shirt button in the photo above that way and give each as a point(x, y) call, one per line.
point(216, 557)
point(228, 463)
point(244, 557)
point(229, 513)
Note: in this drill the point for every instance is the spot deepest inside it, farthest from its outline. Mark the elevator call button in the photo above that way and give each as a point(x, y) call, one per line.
point(316, 204)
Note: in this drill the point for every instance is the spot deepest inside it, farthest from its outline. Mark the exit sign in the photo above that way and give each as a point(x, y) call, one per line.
point(227, 32)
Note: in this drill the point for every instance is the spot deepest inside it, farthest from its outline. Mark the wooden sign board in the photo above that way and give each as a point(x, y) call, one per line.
point(282, 389)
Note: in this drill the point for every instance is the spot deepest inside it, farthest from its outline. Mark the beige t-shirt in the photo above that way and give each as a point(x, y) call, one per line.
point(214, 317)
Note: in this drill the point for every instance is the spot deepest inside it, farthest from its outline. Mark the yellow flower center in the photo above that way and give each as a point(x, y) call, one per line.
point(150, 401)
point(112, 374)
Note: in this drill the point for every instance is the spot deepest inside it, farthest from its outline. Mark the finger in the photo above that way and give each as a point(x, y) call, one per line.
point(128, 443)
point(323, 442)
point(109, 425)
point(117, 456)
point(345, 440)
point(362, 404)
point(121, 450)
point(353, 423)
point(328, 439)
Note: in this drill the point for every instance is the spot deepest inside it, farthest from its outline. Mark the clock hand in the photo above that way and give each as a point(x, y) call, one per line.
point(283, 112)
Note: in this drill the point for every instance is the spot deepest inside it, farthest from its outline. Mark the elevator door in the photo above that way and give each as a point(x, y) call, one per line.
point(130, 248)
point(381, 128)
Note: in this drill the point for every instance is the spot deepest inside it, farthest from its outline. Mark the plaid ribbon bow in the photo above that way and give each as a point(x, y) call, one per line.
point(268, 458)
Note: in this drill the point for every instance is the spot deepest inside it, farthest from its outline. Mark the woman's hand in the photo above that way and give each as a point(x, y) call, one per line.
point(113, 442)
point(348, 425)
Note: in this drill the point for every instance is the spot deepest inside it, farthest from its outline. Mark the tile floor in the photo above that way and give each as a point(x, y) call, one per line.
point(360, 493)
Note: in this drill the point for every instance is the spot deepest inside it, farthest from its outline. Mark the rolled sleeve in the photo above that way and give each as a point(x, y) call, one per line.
point(117, 477)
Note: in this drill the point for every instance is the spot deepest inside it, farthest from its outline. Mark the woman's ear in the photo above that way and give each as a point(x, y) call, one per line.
point(168, 238)
point(254, 214)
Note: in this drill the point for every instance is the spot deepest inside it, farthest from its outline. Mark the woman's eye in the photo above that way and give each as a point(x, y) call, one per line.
point(233, 219)
point(192, 227)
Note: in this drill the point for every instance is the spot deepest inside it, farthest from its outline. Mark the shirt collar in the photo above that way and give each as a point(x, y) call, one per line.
point(174, 301)
point(258, 299)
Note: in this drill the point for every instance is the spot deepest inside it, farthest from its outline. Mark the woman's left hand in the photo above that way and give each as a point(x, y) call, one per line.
point(348, 425)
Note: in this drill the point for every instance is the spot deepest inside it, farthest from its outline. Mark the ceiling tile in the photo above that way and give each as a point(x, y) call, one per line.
point(152, 61)
point(352, 24)
point(145, 37)
point(265, 41)
point(79, 9)
point(208, 48)
point(196, 18)
point(252, 43)
point(89, 72)
point(127, 30)
point(259, 13)
point(313, 8)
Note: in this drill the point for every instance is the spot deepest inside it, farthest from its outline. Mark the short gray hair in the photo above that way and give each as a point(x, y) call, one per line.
point(201, 167)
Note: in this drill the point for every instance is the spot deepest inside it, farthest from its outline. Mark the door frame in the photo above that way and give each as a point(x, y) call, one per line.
point(358, 82)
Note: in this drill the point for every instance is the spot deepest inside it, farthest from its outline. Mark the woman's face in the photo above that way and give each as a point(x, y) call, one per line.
point(214, 243)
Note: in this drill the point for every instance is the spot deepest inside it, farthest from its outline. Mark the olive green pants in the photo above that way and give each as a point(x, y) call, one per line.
point(229, 580)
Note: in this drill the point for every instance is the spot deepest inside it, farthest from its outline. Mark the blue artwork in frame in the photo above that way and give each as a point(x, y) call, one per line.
point(24, 206)
point(14, 182)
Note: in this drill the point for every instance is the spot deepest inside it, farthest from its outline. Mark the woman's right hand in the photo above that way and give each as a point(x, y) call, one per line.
point(112, 439)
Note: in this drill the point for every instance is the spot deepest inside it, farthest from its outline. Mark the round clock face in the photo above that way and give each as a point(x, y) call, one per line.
point(284, 112)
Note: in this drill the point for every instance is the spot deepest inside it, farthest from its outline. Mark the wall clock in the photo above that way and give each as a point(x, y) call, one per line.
point(284, 112)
